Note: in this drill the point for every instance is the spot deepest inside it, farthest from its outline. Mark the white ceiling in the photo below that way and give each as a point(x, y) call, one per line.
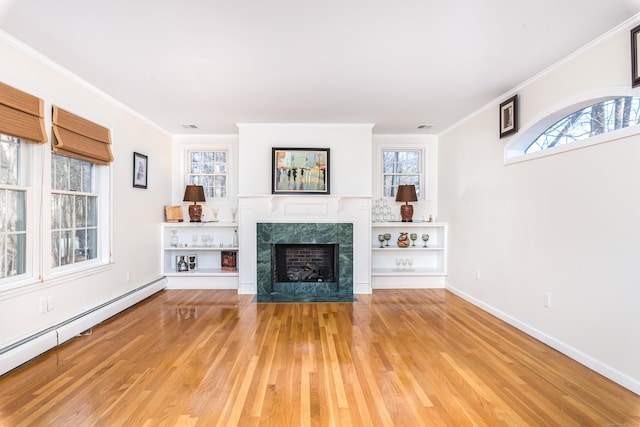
point(396, 64)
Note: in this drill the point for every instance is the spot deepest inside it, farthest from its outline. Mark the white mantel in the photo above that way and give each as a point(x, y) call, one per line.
point(303, 209)
point(351, 160)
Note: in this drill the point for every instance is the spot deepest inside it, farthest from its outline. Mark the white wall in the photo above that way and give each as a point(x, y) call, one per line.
point(350, 187)
point(350, 156)
point(137, 213)
point(566, 225)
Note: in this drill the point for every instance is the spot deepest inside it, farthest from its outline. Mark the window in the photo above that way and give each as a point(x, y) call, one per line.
point(77, 198)
point(596, 119)
point(209, 169)
point(74, 207)
point(13, 233)
point(401, 167)
point(21, 127)
point(80, 158)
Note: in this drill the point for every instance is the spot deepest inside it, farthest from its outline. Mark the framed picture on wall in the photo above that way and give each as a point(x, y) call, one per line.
point(300, 171)
point(635, 56)
point(509, 116)
point(140, 165)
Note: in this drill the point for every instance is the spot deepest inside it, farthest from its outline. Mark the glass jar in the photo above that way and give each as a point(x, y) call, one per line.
point(173, 241)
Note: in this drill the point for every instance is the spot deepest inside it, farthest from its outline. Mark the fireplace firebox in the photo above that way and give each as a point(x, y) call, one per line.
point(301, 262)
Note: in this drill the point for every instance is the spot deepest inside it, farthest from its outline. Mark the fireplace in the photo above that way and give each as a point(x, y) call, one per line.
point(300, 262)
point(303, 261)
point(309, 268)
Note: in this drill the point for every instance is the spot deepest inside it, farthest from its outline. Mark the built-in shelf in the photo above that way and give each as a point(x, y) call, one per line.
point(203, 272)
point(204, 243)
point(413, 266)
point(406, 272)
point(202, 248)
point(409, 249)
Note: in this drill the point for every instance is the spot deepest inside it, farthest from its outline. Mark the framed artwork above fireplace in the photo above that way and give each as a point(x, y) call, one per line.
point(300, 171)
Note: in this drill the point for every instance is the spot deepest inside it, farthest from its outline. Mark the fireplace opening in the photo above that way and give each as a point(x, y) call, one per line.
point(297, 262)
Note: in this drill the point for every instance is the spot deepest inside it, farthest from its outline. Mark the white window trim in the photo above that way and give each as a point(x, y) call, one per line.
point(103, 177)
point(424, 150)
point(37, 181)
point(514, 150)
point(180, 166)
point(31, 179)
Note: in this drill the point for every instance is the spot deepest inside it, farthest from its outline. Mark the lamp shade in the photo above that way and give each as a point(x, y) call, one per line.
point(406, 193)
point(194, 193)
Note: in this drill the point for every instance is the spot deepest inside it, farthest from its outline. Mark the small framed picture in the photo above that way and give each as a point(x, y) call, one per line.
point(182, 263)
point(509, 116)
point(635, 56)
point(140, 168)
point(193, 262)
point(300, 171)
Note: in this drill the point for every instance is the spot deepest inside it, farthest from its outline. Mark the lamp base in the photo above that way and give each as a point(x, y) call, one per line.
point(406, 213)
point(195, 213)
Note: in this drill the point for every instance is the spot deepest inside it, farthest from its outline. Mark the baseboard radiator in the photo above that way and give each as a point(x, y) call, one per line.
point(28, 348)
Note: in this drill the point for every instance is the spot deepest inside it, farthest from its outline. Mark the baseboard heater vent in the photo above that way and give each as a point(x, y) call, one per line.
point(26, 349)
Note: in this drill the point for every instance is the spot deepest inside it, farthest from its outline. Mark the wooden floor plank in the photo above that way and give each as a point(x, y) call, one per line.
point(396, 357)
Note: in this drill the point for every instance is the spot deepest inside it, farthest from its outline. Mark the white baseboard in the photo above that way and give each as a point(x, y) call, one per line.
point(26, 349)
point(99, 314)
point(247, 288)
point(361, 288)
point(613, 374)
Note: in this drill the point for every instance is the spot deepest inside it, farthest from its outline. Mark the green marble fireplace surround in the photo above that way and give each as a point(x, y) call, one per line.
point(271, 234)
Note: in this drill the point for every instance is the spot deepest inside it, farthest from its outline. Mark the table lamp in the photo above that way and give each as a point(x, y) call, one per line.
point(195, 194)
point(406, 193)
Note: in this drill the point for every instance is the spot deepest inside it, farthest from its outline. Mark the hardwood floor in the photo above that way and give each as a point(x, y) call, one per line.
point(401, 357)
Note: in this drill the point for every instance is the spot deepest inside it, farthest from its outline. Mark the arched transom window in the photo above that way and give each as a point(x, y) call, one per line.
point(596, 119)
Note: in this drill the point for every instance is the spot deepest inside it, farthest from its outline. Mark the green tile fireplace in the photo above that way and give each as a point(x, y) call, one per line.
point(315, 234)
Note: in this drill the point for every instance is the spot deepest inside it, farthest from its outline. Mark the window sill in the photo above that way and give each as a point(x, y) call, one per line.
point(18, 287)
point(517, 157)
point(76, 273)
point(25, 286)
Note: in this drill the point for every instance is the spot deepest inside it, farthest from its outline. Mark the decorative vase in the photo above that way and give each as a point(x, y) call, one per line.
point(403, 240)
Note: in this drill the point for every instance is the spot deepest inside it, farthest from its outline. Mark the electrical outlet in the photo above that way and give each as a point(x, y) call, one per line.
point(42, 305)
point(547, 300)
point(128, 277)
point(50, 303)
point(478, 275)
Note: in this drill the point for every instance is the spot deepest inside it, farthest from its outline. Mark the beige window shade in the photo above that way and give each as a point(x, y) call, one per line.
point(80, 138)
point(21, 115)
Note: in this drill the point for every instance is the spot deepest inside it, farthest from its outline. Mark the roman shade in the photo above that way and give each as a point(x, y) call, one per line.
point(80, 138)
point(21, 115)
